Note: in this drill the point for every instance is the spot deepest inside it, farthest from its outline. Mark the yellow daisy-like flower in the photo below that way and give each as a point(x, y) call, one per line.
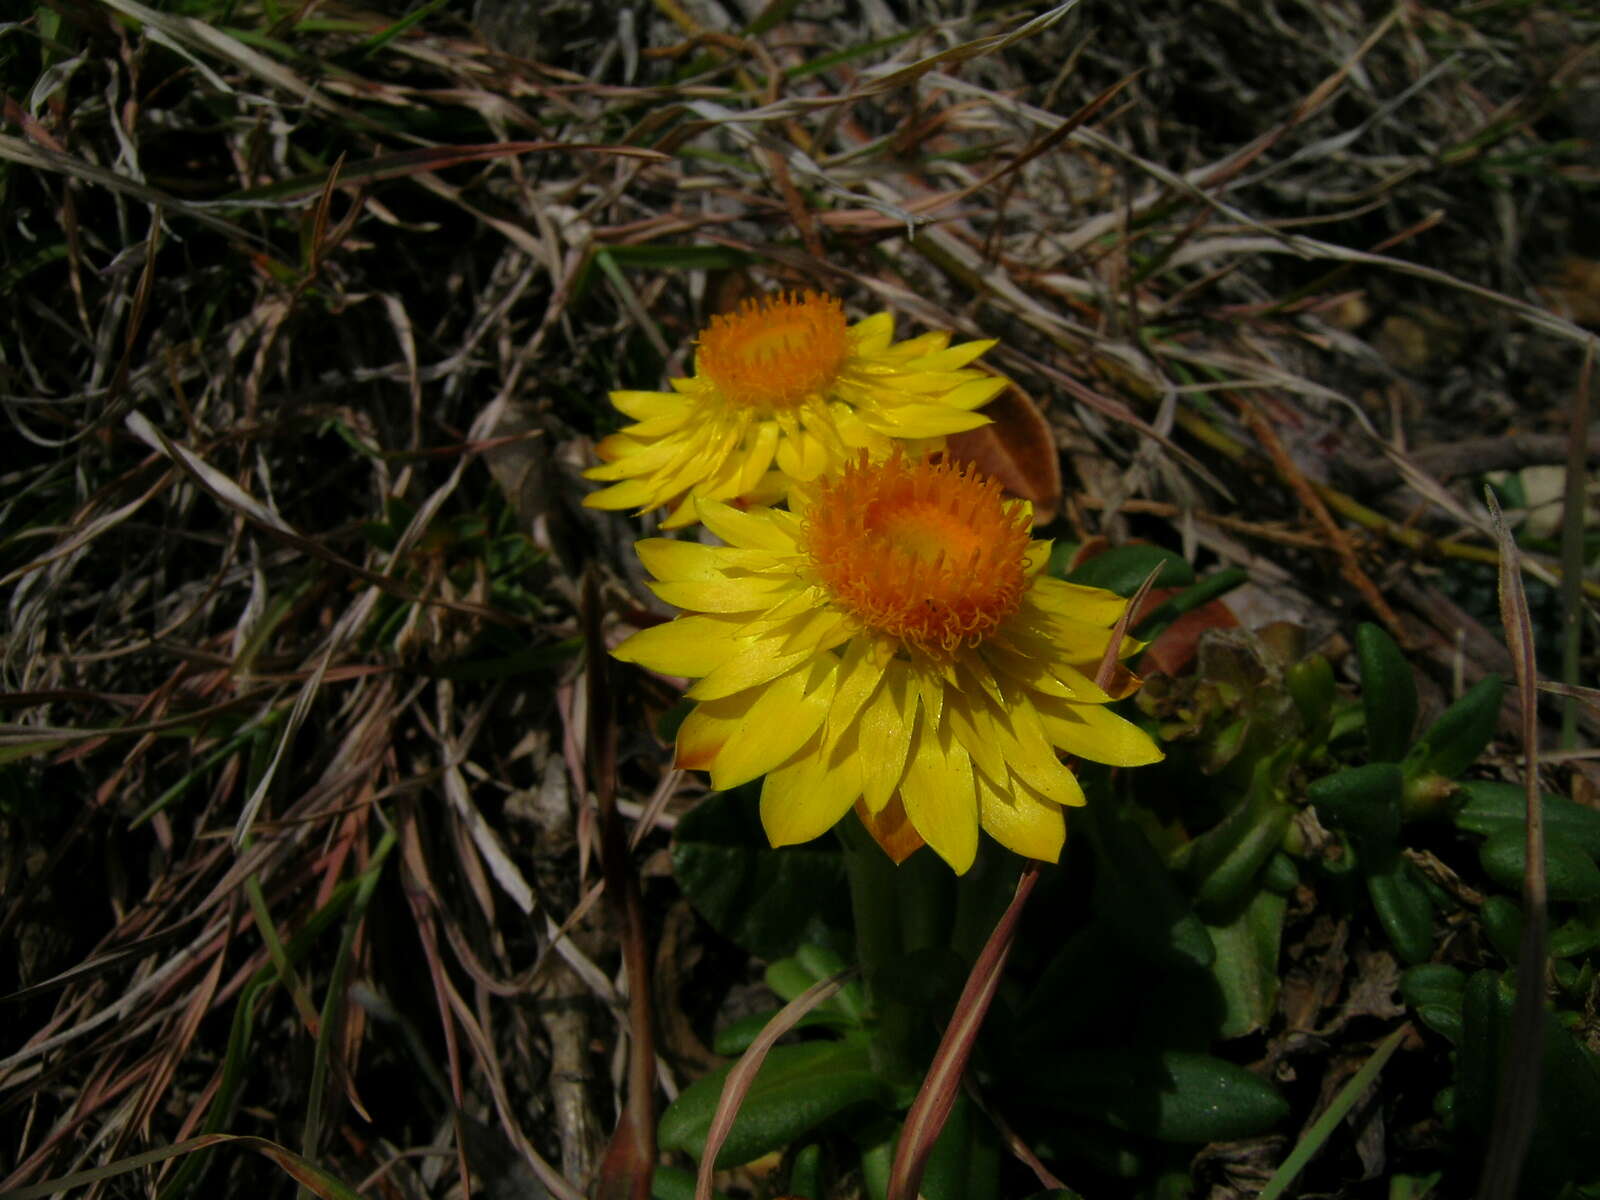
point(784, 390)
point(891, 644)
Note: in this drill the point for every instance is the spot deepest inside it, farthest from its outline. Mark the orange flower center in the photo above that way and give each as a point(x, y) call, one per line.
point(925, 552)
point(776, 351)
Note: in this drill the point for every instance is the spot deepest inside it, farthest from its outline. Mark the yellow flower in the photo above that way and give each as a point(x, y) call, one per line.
point(891, 644)
point(785, 383)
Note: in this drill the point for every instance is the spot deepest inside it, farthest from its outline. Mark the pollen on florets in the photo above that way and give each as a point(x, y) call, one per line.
point(926, 552)
point(773, 352)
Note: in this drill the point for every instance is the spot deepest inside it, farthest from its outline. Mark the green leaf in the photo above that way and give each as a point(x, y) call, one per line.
point(1570, 874)
point(1403, 909)
point(1311, 686)
point(1502, 921)
point(674, 1183)
point(1123, 568)
point(1365, 803)
point(965, 1162)
point(1492, 807)
point(1434, 991)
point(1564, 1147)
point(747, 890)
point(805, 1177)
point(1174, 1096)
point(734, 1039)
point(1280, 874)
point(1453, 742)
point(797, 1089)
point(1246, 969)
point(1226, 861)
point(1388, 694)
point(1578, 936)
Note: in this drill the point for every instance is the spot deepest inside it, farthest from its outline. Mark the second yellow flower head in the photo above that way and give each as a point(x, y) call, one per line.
point(784, 390)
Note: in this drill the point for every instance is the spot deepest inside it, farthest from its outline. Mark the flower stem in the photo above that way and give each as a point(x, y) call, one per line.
point(889, 922)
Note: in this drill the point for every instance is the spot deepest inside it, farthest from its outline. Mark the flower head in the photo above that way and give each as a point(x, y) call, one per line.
point(892, 644)
point(784, 390)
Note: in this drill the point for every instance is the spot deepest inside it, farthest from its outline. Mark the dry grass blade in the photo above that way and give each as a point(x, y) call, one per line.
point(1574, 506)
point(1517, 1105)
point(630, 1159)
point(299, 1169)
point(743, 1072)
point(41, 158)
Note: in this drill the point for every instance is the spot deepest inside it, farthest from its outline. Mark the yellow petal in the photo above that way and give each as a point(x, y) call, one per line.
point(860, 673)
point(784, 716)
point(758, 456)
point(1021, 822)
point(690, 646)
point(1039, 674)
point(668, 558)
point(707, 729)
point(1029, 755)
point(758, 661)
point(1096, 733)
point(748, 593)
point(806, 798)
point(886, 725)
point(952, 358)
point(802, 456)
point(940, 798)
point(872, 335)
point(1090, 605)
point(642, 406)
point(631, 493)
point(922, 420)
point(973, 729)
point(816, 630)
point(747, 530)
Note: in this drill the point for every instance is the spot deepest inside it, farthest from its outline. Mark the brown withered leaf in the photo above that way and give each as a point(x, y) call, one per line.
point(1174, 647)
point(1017, 448)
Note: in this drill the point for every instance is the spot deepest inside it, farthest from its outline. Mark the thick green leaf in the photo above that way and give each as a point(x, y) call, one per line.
point(965, 1162)
point(1246, 969)
point(1226, 862)
point(1123, 568)
point(761, 898)
point(1388, 694)
point(1453, 742)
point(1564, 1147)
point(674, 1183)
point(1492, 806)
point(1570, 874)
point(1365, 803)
point(796, 1090)
point(1312, 688)
point(1578, 936)
point(1502, 922)
point(805, 1177)
point(1403, 909)
point(1429, 983)
point(1280, 875)
point(1174, 1097)
point(735, 1038)
point(1434, 990)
